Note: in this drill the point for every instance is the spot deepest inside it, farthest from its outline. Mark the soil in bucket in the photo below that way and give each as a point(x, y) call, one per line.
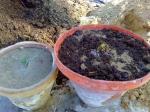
point(24, 66)
point(105, 55)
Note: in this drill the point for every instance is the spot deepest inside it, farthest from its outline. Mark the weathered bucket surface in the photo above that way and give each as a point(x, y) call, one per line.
point(97, 98)
point(35, 101)
point(27, 73)
point(96, 92)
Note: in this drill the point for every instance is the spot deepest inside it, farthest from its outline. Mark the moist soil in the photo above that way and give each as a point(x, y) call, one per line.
point(106, 55)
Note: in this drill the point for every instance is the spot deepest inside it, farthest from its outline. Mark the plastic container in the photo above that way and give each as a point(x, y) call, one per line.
point(34, 96)
point(93, 92)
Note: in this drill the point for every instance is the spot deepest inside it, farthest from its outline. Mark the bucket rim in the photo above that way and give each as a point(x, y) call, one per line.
point(37, 87)
point(96, 84)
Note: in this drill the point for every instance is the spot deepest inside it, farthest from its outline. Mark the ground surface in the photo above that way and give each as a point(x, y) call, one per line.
point(18, 23)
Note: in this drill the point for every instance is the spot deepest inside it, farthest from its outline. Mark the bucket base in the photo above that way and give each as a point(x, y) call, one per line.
point(34, 102)
point(31, 103)
point(97, 98)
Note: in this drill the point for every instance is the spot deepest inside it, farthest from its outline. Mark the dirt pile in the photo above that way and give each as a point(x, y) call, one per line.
point(131, 14)
point(14, 27)
point(37, 20)
point(59, 12)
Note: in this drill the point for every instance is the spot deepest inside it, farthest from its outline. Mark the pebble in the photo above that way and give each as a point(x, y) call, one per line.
point(148, 23)
point(83, 58)
point(39, 24)
point(27, 28)
point(83, 67)
point(34, 34)
point(94, 53)
point(132, 97)
point(142, 97)
point(26, 36)
point(148, 89)
point(95, 63)
point(136, 93)
point(16, 26)
point(148, 41)
point(2, 27)
point(148, 34)
point(104, 36)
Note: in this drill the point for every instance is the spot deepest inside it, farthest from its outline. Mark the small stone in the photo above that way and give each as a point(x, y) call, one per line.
point(2, 27)
point(126, 99)
point(140, 91)
point(132, 97)
point(34, 34)
point(83, 58)
point(148, 23)
point(16, 26)
point(27, 28)
point(136, 93)
point(88, 20)
point(79, 37)
point(148, 89)
point(83, 67)
point(142, 97)
point(104, 36)
point(38, 24)
point(95, 63)
point(26, 36)
point(148, 34)
point(94, 53)
point(148, 41)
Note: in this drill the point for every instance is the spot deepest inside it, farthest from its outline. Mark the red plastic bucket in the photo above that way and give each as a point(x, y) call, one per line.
point(91, 88)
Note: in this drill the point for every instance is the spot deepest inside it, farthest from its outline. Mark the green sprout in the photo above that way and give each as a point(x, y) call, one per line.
point(25, 61)
point(103, 47)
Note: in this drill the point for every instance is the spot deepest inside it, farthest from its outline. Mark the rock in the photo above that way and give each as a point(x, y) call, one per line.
point(96, 63)
point(2, 27)
point(39, 24)
point(88, 20)
point(142, 97)
point(83, 58)
point(27, 28)
point(82, 66)
point(136, 93)
point(131, 14)
point(61, 12)
point(132, 97)
point(106, 14)
point(133, 22)
point(148, 34)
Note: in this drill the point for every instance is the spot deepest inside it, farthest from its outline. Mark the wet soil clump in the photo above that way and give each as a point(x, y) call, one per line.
point(106, 55)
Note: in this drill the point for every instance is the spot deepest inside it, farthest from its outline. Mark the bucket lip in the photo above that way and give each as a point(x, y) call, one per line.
point(9, 91)
point(76, 76)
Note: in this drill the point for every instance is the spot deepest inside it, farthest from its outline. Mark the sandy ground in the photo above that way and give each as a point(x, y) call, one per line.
point(18, 23)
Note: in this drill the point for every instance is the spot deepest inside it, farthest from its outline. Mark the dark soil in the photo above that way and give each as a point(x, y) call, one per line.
point(106, 55)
